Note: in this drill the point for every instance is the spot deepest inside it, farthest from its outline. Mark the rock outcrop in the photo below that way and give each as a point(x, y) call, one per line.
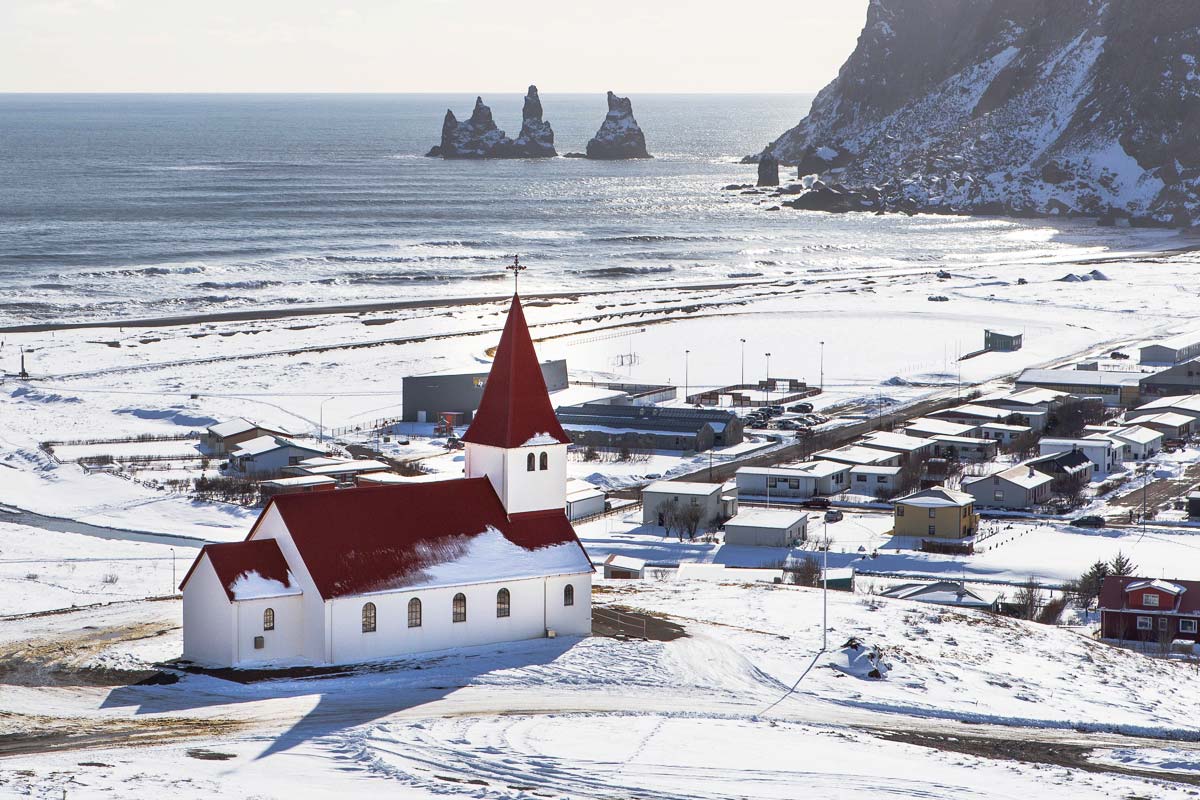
point(1056, 107)
point(619, 135)
point(768, 170)
point(478, 137)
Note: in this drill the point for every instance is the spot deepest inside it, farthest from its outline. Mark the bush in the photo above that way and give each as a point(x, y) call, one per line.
point(109, 578)
point(1053, 609)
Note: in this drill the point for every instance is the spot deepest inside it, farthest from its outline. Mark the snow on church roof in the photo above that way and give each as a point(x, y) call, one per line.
point(248, 569)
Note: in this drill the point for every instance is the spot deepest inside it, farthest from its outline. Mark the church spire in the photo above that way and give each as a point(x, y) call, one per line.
point(515, 410)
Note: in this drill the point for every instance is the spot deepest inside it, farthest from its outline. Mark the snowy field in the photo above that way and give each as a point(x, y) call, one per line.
point(743, 705)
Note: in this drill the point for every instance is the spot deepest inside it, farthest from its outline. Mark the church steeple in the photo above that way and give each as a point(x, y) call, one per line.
point(515, 410)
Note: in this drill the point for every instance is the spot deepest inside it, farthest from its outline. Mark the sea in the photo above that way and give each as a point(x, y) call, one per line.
point(131, 206)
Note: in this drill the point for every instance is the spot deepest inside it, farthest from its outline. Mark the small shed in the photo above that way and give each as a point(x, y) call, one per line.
point(767, 527)
point(839, 578)
point(1002, 341)
point(624, 567)
point(583, 499)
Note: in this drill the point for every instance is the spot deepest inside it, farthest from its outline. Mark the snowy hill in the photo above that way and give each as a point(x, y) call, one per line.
point(1026, 106)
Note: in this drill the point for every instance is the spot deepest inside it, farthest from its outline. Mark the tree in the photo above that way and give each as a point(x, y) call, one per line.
point(1069, 486)
point(688, 518)
point(908, 479)
point(1073, 415)
point(1023, 446)
point(1086, 589)
point(669, 514)
point(804, 571)
point(1029, 599)
point(1121, 565)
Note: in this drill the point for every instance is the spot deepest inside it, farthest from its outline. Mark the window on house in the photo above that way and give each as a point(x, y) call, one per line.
point(880, 479)
point(368, 618)
point(861, 478)
point(460, 608)
point(568, 595)
point(530, 463)
point(293, 460)
point(771, 482)
point(933, 530)
point(998, 495)
point(503, 603)
point(269, 619)
point(793, 483)
point(933, 513)
point(1187, 626)
point(1162, 623)
point(544, 461)
point(1145, 624)
point(414, 613)
point(899, 511)
point(1150, 600)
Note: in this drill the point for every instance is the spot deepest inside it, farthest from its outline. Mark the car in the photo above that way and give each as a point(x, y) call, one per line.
point(776, 409)
point(834, 515)
point(1117, 354)
point(804, 433)
point(801, 408)
point(816, 502)
point(1090, 521)
point(787, 424)
point(652, 476)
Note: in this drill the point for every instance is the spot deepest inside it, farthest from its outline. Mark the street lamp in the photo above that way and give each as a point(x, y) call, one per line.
point(768, 379)
point(825, 592)
point(686, 353)
point(822, 366)
point(322, 423)
point(743, 376)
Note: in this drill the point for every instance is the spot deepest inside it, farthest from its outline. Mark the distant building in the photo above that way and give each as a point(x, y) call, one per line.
point(942, 593)
point(624, 567)
point(938, 513)
point(1180, 379)
point(223, 437)
point(1140, 442)
point(1193, 505)
point(344, 470)
point(1188, 404)
point(1149, 610)
point(854, 454)
point(651, 427)
point(973, 414)
point(799, 481)
point(1103, 453)
point(767, 527)
point(1003, 434)
point(268, 455)
point(1064, 464)
point(910, 448)
point(298, 484)
point(658, 496)
point(1035, 399)
point(963, 448)
point(927, 427)
point(1172, 350)
point(1019, 487)
point(583, 499)
point(1170, 424)
point(873, 480)
point(1002, 341)
point(1116, 388)
point(427, 397)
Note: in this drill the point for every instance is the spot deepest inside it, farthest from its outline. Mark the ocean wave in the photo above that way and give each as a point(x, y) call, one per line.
point(619, 271)
point(403, 279)
point(139, 271)
point(251, 284)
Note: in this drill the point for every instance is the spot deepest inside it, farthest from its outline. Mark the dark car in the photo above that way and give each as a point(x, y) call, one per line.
point(816, 502)
point(1117, 354)
point(801, 408)
point(1090, 521)
point(804, 433)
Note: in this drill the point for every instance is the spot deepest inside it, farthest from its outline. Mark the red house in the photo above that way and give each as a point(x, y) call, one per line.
point(1149, 610)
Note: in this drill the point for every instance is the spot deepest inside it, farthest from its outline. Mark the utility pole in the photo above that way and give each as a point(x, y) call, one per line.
point(825, 592)
point(742, 382)
point(686, 353)
point(322, 421)
point(822, 366)
point(768, 379)
point(173, 582)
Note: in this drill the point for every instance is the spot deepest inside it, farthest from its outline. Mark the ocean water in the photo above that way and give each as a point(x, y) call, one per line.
point(116, 206)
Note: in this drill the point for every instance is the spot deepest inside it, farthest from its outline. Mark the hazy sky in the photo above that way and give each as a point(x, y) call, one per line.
point(424, 45)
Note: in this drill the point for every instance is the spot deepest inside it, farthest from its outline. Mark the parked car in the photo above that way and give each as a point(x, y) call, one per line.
point(653, 476)
point(788, 424)
point(804, 433)
point(1090, 521)
point(1117, 354)
point(816, 502)
point(776, 409)
point(801, 408)
point(834, 515)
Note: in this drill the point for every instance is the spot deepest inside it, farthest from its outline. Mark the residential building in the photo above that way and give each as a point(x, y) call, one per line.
point(929, 427)
point(1140, 442)
point(427, 397)
point(1034, 399)
point(963, 448)
point(938, 513)
point(911, 448)
point(1181, 379)
point(268, 455)
point(1188, 404)
point(1172, 350)
point(853, 454)
point(1170, 424)
point(651, 427)
point(1020, 487)
point(972, 414)
point(583, 499)
point(343, 470)
point(1002, 341)
point(1149, 609)
point(799, 481)
point(1119, 389)
point(874, 481)
point(715, 508)
point(1064, 464)
point(1003, 434)
point(767, 527)
point(223, 437)
point(361, 574)
point(1104, 454)
point(942, 593)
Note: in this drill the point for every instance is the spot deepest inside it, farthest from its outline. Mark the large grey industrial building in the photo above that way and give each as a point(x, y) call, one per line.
point(427, 397)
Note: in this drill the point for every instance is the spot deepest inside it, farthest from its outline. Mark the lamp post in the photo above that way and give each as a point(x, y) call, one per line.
point(172, 549)
point(822, 366)
point(825, 592)
point(742, 381)
point(768, 379)
point(322, 422)
point(686, 353)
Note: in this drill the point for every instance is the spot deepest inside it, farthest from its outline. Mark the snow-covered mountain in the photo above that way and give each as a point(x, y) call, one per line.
point(1014, 106)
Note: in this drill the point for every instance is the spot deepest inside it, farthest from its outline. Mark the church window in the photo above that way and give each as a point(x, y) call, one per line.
point(503, 603)
point(414, 613)
point(269, 619)
point(545, 461)
point(529, 462)
point(568, 595)
point(368, 618)
point(460, 608)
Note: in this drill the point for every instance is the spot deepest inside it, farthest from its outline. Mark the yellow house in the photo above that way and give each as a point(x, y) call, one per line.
point(937, 512)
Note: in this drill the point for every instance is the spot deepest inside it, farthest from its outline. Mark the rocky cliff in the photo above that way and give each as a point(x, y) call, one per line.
point(478, 136)
point(619, 135)
point(1012, 106)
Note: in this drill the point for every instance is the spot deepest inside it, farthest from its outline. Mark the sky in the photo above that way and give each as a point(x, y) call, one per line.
point(424, 45)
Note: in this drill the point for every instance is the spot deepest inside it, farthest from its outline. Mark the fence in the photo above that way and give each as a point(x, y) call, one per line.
point(620, 622)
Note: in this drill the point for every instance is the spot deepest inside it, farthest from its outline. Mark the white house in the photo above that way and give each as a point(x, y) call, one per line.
point(911, 448)
point(1018, 487)
point(800, 481)
point(928, 427)
point(853, 454)
point(1002, 433)
point(1188, 404)
point(368, 573)
point(1103, 453)
point(268, 455)
point(873, 481)
point(767, 527)
point(583, 499)
point(714, 508)
point(1139, 442)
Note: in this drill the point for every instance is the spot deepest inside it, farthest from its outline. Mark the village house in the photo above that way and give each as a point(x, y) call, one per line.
point(927, 427)
point(1002, 433)
point(583, 499)
point(1066, 464)
point(1170, 424)
point(1116, 388)
point(1188, 404)
point(1020, 487)
point(268, 455)
point(853, 454)
point(369, 573)
point(911, 448)
point(300, 483)
point(976, 415)
point(874, 481)
point(715, 505)
point(938, 513)
point(1104, 454)
point(767, 527)
point(343, 470)
point(963, 448)
point(623, 567)
point(1035, 399)
point(1149, 610)
point(799, 481)
point(1140, 442)
point(223, 437)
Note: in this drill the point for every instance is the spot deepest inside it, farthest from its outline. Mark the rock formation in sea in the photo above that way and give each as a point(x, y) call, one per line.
point(478, 136)
point(768, 170)
point(619, 135)
point(1057, 107)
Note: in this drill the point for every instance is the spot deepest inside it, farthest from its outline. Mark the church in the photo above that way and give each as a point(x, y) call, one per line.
point(368, 573)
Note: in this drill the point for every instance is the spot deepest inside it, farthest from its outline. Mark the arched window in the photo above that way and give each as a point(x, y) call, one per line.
point(544, 461)
point(368, 618)
point(529, 462)
point(568, 595)
point(460, 607)
point(503, 603)
point(414, 613)
point(269, 619)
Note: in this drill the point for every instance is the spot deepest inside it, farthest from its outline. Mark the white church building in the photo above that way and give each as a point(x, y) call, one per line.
point(358, 574)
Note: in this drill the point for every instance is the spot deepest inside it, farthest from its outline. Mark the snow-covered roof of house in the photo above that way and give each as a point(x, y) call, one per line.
point(578, 490)
point(299, 480)
point(1081, 377)
point(231, 427)
point(1021, 475)
point(1080, 443)
point(975, 411)
point(768, 518)
point(940, 592)
point(1069, 460)
point(577, 395)
point(1000, 426)
point(937, 497)
point(1178, 340)
point(1137, 434)
point(249, 570)
point(416, 535)
point(942, 426)
point(347, 467)
point(1157, 583)
point(265, 444)
point(963, 440)
point(856, 454)
point(874, 469)
point(806, 469)
point(682, 487)
point(897, 441)
point(625, 562)
point(1170, 418)
point(321, 461)
point(1036, 395)
point(1189, 402)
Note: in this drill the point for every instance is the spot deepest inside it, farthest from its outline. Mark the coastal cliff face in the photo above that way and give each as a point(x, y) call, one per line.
point(1085, 107)
point(478, 136)
point(619, 135)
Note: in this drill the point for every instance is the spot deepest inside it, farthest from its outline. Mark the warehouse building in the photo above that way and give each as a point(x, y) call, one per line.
point(427, 397)
point(1173, 350)
point(650, 427)
point(1118, 389)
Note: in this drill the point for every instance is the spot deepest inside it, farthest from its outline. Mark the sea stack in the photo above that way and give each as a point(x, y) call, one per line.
point(478, 137)
point(768, 170)
point(619, 135)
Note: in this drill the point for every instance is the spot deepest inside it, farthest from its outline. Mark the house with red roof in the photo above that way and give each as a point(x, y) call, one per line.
point(391, 570)
point(1149, 609)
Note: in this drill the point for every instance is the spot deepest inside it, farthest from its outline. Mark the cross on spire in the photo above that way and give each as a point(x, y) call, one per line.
point(516, 268)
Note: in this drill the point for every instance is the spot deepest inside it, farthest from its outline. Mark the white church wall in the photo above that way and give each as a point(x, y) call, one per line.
point(208, 618)
point(485, 461)
point(285, 642)
point(573, 620)
point(541, 489)
point(313, 640)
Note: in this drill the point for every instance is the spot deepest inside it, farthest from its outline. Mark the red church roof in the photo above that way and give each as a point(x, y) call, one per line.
point(516, 406)
point(356, 541)
point(234, 559)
